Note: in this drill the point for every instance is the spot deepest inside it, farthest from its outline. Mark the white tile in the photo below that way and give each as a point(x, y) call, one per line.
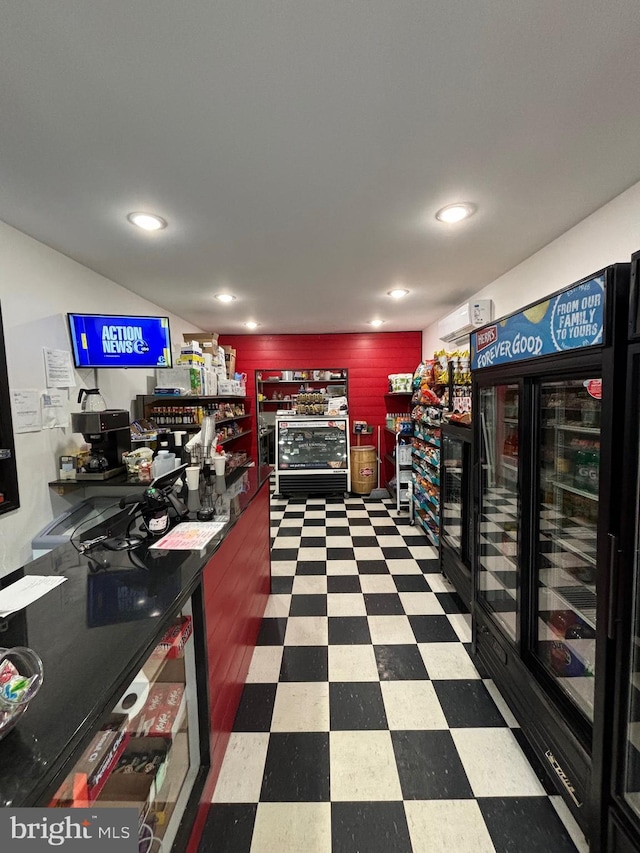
point(423, 552)
point(404, 567)
point(461, 624)
point(363, 767)
point(356, 512)
point(277, 605)
point(282, 568)
point(292, 827)
point(307, 631)
point(501, 705)
point(390, 630)
point(315, 513)
point(314, 531)
point(370, 553)
point(339, 542)
point(342, 567)
point(265, 665)
point(412, 705)
point(439, 583)
point(436, 826)
point(377, 583)
point(570, 823)
point(352, 663)
point(285, 542)
point(447, 661)
point(394, 541)
point(345, 604)
point(240, 776)
point(421, 604)
point(309, 585)
point(274, 530)
point(507, 774)
point(301, 706)
point(312, 554)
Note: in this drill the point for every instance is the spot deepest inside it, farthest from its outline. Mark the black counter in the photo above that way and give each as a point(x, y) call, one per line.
point(94, 632)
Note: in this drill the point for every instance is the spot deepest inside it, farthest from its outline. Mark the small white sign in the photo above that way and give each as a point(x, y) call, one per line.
point(58, 368)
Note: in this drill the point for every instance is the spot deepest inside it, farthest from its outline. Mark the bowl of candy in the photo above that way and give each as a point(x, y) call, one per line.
point(21, 675)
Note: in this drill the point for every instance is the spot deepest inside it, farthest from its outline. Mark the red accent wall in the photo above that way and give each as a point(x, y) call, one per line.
point(369, 358)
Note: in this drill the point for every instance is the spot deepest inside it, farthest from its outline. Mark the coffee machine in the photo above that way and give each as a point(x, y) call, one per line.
point(109, 435)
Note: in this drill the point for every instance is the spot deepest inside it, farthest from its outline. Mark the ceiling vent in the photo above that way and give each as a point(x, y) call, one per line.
point(461, 322)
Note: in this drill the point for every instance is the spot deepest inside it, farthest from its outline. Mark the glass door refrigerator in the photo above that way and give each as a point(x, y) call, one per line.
point(623, 819)
point(548, 389)
point(456, 531)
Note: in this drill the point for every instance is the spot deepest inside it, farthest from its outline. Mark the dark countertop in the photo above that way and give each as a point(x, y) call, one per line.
point(93, 633)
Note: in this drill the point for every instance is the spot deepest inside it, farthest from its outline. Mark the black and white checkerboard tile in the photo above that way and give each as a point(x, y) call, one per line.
point(364, 724)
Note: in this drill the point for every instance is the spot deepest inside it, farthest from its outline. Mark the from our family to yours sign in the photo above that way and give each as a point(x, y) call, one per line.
point(570, 320)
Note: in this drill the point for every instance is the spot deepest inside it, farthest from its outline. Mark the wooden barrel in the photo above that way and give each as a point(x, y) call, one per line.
point(363, 469)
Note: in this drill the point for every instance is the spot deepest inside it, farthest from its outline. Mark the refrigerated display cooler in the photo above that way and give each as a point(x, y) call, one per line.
point(548, 405)
point(456, 536)
point(312, 455)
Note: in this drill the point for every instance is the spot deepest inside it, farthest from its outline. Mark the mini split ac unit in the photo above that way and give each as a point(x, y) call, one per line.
point(465, 319)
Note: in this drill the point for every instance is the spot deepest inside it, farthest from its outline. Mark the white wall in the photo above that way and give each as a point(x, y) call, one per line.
point(609, 235)
point(37, 287)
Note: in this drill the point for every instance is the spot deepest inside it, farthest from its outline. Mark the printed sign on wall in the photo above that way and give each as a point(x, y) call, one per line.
point(571, 320)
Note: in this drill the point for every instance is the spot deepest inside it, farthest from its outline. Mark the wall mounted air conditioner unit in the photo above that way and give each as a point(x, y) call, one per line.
point(465, 319)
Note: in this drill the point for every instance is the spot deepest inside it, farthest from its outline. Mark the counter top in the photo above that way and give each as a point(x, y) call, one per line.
point(94, 631)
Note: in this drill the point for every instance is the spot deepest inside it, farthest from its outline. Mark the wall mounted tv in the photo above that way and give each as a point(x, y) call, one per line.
point(105, 340)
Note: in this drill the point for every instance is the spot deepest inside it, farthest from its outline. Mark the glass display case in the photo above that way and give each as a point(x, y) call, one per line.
point(312, 455)
point(456, 524)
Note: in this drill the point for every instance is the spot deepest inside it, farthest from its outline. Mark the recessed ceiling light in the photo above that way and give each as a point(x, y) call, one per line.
point(147, 221)
point(376, 323)
point(397, 292)
point(225, 297)
point(251, 324)
point(456, 212)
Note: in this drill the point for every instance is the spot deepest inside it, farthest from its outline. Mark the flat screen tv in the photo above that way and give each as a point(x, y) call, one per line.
point(105, 340)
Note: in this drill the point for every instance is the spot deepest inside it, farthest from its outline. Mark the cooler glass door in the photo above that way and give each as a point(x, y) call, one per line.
point(498, 560)
point(312, 445)
point(452, 510)
point(567, 535)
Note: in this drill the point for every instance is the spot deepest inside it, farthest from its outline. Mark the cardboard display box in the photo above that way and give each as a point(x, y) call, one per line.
point(208, 341)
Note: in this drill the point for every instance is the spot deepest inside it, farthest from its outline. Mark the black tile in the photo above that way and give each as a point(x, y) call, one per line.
point(359, 522)
point(337, 531)
point(316, 507)
point(296, 768)
point(400, 663)
point(411, 583)
point(372, 567)
point(429, 766)
point(281, 584)
point(414, 539)
point(348, 630)
point(429, 567)
point(304, 663)
point(272, 632)
point(229, 826)
point(313, 542)
point(311, 567)
point(451, 602)
point(340, 553)
point(355, 706)
point(399, 553)
point(296, 500)
point(314, 522)
point(289, 531)
point(255, 708)
point(293, 514)
point(284, 554)
point(528, 824)
point(364, 541)
point(386, 530)
point(467, 704)
point(433, 629)
point(336, 513)
point(370, 827)
point(383, 604)
point(378, 513)
point(308, 605)
point(343, 583)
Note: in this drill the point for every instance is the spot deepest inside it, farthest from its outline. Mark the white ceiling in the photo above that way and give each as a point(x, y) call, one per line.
point(299, 148)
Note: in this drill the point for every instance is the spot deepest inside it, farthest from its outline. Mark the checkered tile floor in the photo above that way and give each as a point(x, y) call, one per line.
point(364, 726)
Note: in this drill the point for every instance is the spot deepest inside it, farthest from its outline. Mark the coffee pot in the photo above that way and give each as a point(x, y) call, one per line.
point(91, 400)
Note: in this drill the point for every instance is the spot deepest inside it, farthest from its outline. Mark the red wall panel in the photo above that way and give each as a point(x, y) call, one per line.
point(369, 357)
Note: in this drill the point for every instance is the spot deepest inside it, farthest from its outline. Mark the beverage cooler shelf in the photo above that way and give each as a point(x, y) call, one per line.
point(587, 430)
point(592, 496)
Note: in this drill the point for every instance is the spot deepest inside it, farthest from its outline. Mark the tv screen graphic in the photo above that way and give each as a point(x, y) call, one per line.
point(103, 340)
